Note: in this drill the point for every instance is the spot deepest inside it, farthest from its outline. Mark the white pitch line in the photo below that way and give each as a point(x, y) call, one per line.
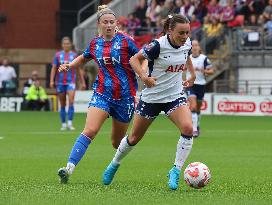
point(1, 138)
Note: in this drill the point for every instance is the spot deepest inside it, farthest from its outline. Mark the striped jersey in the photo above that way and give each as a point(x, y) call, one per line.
point(166, 63)
point(199, 62)
point(116, 79)
point(69, 77)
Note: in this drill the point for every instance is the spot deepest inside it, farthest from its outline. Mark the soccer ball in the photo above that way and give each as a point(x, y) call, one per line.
point(197, 175)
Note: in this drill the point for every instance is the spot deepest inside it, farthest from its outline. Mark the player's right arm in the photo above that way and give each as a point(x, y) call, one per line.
point(77, 62)
point(52, 75)
point(189, 82)
point(136, 64)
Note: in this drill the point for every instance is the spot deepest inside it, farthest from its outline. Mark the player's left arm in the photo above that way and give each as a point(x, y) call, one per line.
point(189, 65)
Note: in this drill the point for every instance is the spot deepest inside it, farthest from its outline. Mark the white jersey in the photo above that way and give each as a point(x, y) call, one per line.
point(166, 63)
point(199, 62)
point(6, 73)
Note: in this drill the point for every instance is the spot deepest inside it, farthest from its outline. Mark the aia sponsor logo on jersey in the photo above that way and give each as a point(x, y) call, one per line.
point(176, 68)
point(231, 106)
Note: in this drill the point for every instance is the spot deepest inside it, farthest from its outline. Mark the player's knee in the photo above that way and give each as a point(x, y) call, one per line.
point(133, 140)
point(90, 132)
point(188, 129)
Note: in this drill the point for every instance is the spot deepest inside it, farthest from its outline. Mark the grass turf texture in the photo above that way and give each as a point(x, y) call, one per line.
point(236, 149)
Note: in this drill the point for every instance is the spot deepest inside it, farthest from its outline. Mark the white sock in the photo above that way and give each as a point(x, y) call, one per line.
point(70, 123)
point(63, 124)
point(194, 119)
point(123, 149)
point(70, 168)
point(184, 147)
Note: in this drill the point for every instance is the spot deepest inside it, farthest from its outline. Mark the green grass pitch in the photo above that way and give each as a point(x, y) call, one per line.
point(238, 151)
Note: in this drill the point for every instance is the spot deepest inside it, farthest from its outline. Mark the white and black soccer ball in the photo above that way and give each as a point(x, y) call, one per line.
point(197, 175)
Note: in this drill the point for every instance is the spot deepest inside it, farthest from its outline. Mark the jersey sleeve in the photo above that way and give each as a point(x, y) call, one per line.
point(151, 51)
point(207, 63)
point(87, 52)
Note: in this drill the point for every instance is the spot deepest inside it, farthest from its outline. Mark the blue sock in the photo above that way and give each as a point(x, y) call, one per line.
point(79, 149)
point(71, 111)
point(63, 114)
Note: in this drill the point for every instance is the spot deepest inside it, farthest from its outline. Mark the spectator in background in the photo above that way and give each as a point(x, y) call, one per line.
point(267, 11)
point(36, 98)
point(200, 10)
point(133, 24)
point(166, 9)
point(29, 82)
point(122, 24)
point(140, 9)
point(196, 29)
point(179, 8)
point(213, 32)
point(7, 78)
point(153, 10)
point(227, 13)
point(189, 8)
point(214, 10)
point(147, 27)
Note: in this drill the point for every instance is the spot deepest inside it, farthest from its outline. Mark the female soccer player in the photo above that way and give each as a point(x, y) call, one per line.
point(202, 66)
point(65, 83)
point(168, 56)
point(114, 89)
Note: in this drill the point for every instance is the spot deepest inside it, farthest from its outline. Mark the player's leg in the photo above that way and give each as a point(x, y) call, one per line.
point(192, 99)
point(119, 130)
point(199, 104)
point(181, 117)
point(140, 125)
point(71, 97)
point(62, 111)
point(97, 113)
point(200, 97)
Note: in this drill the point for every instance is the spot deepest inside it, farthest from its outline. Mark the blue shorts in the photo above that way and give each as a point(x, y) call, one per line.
point(196, 90)
point(122, 109)
point(65, 88)
point(152, 110)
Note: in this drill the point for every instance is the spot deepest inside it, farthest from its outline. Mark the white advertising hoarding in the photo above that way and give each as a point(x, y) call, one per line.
point(82, 99)
point(206, 108)
point(242, 105)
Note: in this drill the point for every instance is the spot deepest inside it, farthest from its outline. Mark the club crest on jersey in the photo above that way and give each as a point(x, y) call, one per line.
point(176, 68)
point(116, 45)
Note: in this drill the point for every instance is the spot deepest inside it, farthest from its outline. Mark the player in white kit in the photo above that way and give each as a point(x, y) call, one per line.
point(167, 58)
point(202, 66)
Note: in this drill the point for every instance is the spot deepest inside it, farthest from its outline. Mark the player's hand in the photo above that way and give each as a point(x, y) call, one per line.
point(64, 67)
point(51, 84)
point(83, 86)
point(149, 81)
point(187, 83)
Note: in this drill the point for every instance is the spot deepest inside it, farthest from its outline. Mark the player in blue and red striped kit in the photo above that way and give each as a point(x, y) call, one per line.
point(65, 82)
point(114, 89)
